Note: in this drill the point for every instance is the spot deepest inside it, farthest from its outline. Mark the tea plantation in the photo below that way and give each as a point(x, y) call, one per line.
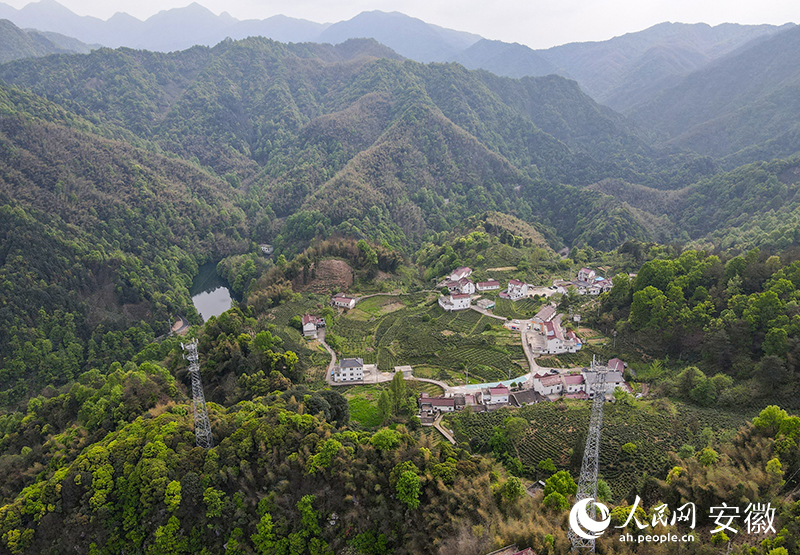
point(414, 330)
point(556, 429)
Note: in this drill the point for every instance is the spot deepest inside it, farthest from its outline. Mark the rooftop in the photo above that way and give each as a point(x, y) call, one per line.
point(351, 363)
point(526, 397)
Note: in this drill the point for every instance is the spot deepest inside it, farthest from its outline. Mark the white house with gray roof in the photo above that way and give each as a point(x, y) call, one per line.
point(349, 370)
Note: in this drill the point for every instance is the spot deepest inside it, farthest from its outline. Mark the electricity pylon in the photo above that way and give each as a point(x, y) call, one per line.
point(202, 427)
point(587, 483)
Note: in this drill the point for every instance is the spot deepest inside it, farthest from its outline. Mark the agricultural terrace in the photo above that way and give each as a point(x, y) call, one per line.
point(558, 431)
point(413, 330)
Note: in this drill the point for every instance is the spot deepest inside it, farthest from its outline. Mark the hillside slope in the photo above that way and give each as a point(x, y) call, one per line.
point(747, 100)
point(16, 43)
point(284, 120)
point(97, 236)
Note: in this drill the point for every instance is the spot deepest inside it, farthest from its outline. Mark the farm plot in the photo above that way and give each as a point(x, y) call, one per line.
point(556, 429)
point(520, 310)
point(422, 334)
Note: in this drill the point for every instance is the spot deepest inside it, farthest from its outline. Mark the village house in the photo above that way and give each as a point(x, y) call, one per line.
point(604, 284)
point(452, 286)
point(551, 338)
point(614, 379)
point(349, 370)
point(267, 249)
point(516, 290)
point(526, 397)
point(311, 324)
point(450, 303)
point(548, 385)
point(585, 274)
point(340, 300)
point(574, 383)
point(436, 404)
point(486, 304)
point(466, 286)
point(460, 273)
point(490, 285)
point(545, 314)
point(617, 364)
point(497, 395)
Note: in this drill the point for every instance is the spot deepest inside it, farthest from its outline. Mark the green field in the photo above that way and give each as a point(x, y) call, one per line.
point(413, 330)
point(558, 428)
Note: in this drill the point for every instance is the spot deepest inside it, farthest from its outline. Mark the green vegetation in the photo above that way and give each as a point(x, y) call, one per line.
point(557, 432)
point(414, 330)
point(735, 319)
point(376, 177)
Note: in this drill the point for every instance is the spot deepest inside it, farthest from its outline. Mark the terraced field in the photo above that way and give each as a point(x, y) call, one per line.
point(413, 330)
point(556, 428)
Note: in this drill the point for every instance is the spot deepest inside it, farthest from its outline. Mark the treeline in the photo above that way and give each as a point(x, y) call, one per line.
point(737, 317)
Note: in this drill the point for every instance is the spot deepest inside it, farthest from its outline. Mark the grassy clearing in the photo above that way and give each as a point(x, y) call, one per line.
point(364, 411)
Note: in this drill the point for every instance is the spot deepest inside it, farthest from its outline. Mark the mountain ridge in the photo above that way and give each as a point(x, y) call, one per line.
point(621, 71)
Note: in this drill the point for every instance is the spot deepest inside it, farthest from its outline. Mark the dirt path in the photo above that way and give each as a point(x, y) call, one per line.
point(437, 424)
point(321, 338)
point(487, 313)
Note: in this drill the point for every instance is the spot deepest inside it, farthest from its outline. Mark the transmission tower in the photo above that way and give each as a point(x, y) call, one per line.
point(587, 483)
point(202, 427)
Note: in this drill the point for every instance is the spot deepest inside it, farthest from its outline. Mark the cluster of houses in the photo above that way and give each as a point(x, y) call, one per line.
point(580, 385)
point(460, 289)
point(546, 387)
point(548, 336)
point(587, 283)
point(487, 399)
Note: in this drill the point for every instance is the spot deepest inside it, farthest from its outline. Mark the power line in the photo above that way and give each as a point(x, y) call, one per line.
point(202, 426)
point(587, 483)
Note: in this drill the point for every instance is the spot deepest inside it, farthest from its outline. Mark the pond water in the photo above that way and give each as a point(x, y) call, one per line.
point(210, 293)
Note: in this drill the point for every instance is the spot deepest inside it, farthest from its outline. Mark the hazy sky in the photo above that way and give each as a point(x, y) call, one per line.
point(537, 23)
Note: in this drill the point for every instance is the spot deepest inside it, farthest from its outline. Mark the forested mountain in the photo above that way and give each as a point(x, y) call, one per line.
point(508, 60)
point(743, 106)
point(16, 43)
point(753, 205)
point(292, 121)
point(621, 71)
point(409, 36)
point(97, 236)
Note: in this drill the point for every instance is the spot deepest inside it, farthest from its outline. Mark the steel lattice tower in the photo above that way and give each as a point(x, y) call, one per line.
point(587, 483)
point(202, 426)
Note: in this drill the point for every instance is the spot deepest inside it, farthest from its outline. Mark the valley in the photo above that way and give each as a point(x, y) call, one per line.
point(403, 252)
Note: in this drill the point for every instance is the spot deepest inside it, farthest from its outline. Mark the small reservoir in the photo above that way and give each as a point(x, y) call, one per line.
point(210, 293)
